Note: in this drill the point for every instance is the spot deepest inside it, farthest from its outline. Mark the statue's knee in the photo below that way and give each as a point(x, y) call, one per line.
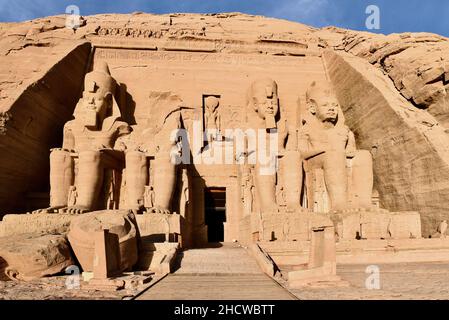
point(91, 157)
point(334, 164)
point(59, 155)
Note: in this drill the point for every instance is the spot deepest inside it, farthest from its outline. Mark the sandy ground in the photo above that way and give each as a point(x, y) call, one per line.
point(397, 281)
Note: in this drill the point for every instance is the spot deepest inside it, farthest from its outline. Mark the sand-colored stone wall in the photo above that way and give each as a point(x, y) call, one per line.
point(408, 145)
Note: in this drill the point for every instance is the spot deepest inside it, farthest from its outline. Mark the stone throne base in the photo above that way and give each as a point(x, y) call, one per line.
point(287, 249)
point(362, 236)
point(315, 231)
point(374, 224)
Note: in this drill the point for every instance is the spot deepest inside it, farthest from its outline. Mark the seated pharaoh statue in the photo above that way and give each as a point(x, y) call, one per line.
point(151, 166)
point(327, 144)
point(88, 146)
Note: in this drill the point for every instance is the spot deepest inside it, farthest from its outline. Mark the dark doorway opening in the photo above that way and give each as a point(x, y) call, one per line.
point(215, 213)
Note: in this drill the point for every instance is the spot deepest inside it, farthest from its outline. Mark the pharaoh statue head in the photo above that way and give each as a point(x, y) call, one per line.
point(97, 102)
point(322, 103)
point(263, 97)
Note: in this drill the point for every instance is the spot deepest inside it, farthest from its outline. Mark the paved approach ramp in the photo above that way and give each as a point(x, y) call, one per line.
point(226, 272)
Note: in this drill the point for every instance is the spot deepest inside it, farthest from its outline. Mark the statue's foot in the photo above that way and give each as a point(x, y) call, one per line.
point(158, 209)
point(137, 209)
point(48, 210)
point(41, 211)
point(76, 210)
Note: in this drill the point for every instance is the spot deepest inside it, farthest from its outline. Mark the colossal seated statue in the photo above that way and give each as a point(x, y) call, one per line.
point(89, 141)
point(159, 144)
point(326, 143)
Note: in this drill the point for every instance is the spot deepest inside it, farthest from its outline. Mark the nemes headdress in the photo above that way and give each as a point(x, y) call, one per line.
point(318, 89)
point(100, 79)
point(315, 90)
point(261, 88)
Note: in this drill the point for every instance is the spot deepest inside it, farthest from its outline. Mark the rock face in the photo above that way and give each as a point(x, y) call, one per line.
point(14, 224)
point(40, 81)
point(394, 130)
point(3, 265)
point(173, 70)
point(417, 64)
point(30, 256)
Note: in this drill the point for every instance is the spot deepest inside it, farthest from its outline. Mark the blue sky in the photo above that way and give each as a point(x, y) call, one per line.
point(395, 15)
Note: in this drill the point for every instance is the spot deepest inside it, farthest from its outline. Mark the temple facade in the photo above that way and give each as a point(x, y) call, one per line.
point(222, 128)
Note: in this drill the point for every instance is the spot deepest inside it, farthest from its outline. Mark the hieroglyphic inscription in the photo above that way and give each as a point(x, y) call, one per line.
point(201, 45)
point(181, 45)
point(195, 57)
point(232, 117)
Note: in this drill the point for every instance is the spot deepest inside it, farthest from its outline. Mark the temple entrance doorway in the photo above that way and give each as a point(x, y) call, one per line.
point(215, 213)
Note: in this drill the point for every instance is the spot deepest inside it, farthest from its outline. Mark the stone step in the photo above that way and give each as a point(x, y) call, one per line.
point(227, 272)
point(227, 259)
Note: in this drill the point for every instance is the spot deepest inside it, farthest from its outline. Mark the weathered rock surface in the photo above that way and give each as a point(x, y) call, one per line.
point(409, 146)
point(121, 223)
point(68, 287)
point(31, 256)
point(13, 224)
point(3, 265)
point(39, 87)
point(157, 257)
point(417, 63)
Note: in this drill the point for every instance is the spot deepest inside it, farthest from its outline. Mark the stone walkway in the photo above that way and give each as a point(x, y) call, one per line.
point(227, 258)
point(216, 287)
point(223, 273)
point(230, 273)
point(401, 281)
